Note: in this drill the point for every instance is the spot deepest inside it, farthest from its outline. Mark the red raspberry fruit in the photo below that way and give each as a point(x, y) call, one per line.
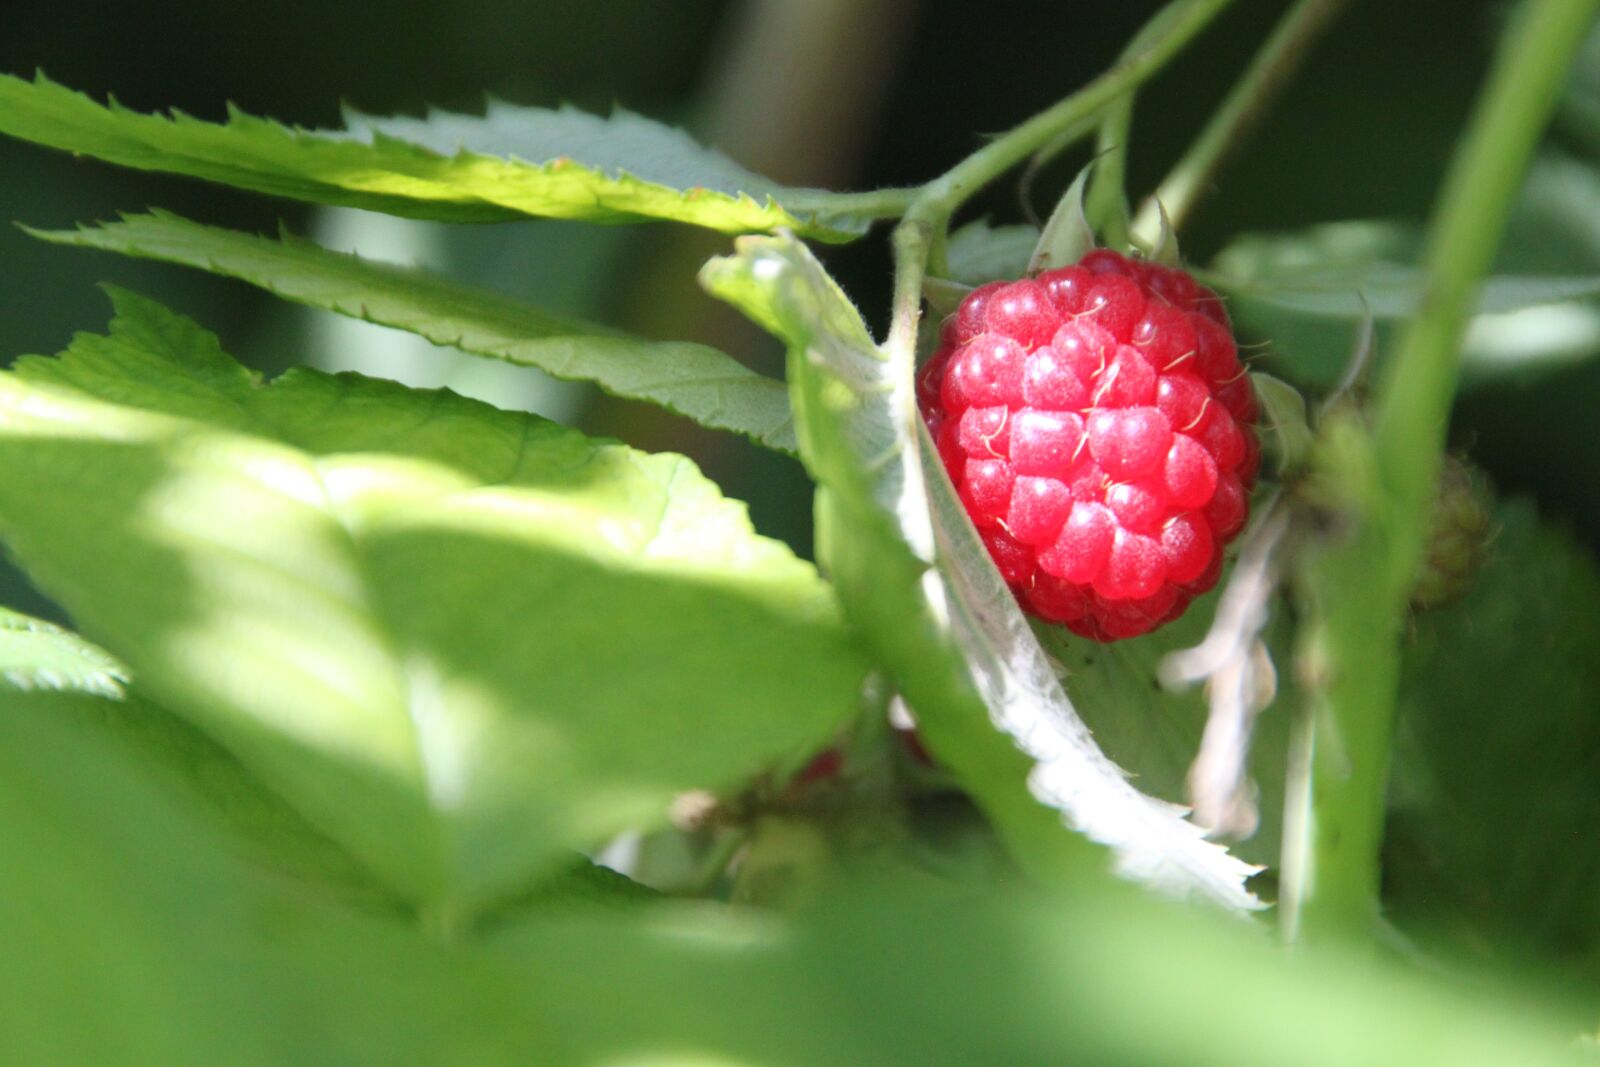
point(1101, 432)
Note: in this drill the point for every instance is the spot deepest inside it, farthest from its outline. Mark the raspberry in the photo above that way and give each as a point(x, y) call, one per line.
point(1101, 433)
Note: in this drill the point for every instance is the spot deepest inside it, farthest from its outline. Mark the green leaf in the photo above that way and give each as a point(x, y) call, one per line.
point(901, 975)
point(1155, 733)
point(55, 672)
point(461, 641)
point(1394, 291)
point(953, 639)
point(1285, 426)
point(1308, 291)
point(979, 252)
point(693, 380)
point(1497, 757)
point(211, 782)
point(1578, 113)
point(116, 894)
point(35, 654)
point(1352, 269)
point(511, 162)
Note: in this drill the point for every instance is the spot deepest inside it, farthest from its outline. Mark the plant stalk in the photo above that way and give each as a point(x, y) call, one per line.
point(927, 220)
point(1107, 202)
point(1359, 587)
point(1243, 108)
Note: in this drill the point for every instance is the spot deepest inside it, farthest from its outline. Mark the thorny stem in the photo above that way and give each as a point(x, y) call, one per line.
point(1359, 587)
point(1233, 121)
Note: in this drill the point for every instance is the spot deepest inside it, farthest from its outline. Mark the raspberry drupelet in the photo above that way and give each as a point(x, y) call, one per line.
point(1101, 432)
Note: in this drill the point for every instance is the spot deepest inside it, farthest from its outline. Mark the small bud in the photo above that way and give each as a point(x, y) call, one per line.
point(1458, 535)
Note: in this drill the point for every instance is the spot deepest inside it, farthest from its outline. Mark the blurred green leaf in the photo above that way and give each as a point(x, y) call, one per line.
point(1307, 292)
point(979, 252)
point(1555, 226)
point(510, 162)
point(35, 654)
point(693, 380)
point(461, 641)
point(904, 976)
point(57, 673)
point(1344, 270)
point(1578, 114)
point(1497, 763)
point(136, 935)
point(953, 639)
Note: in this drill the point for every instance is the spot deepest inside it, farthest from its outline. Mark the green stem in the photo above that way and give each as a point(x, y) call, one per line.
point(1414, 397)
point(1360, 586)
point(1107, 202)
point(947, 192)
point(928, 218)
point(1106, 205)
point(873, 204)
point(1233, 121)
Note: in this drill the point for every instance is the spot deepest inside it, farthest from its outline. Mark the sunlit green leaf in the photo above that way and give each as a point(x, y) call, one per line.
point(35, 654)
point(510, 162)
point(461, 641)
point(693, 380)
point(135, 934)
point(54, 672)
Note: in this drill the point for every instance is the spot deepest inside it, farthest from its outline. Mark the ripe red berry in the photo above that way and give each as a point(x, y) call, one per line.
point(1101, 432)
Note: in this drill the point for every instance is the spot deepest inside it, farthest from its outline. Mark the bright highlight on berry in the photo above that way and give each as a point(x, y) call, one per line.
point(1101, 432)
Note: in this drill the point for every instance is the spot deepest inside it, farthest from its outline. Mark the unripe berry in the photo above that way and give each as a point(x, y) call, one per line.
point(1458, 536)
point(1101, 433)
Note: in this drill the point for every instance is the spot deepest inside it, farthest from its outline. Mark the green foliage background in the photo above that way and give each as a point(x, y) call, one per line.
point(390, 907)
